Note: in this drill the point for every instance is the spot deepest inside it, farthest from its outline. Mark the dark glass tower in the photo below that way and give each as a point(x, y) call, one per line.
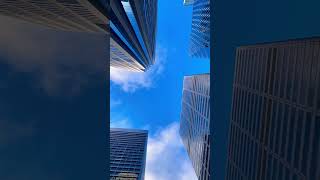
point(133, 26)
point(195, 122)
point(66, 15)
point(275, 125)
point(200, 30)
point(128, 150)
point(132, 23)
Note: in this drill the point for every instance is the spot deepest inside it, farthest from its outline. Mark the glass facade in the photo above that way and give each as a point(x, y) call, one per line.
point(275, 121)
point(132, 27)
point(195, 122)
point(128, 150)
point(200, 30)
point(134, 21)
point(65, 15)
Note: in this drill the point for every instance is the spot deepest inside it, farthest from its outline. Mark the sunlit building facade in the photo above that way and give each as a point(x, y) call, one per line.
point(133, 25)
point(195, 122)
point(275, 120)
point(200, 31)
point(128, 149)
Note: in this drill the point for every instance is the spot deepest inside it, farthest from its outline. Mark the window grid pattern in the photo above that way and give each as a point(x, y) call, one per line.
point(145, 12)
point(200, 30)
point(275, 120)
point(194, 122)
point(122, 59)
point(136, 21)
point(150, 9)
point(127, 153)
point(66, 15)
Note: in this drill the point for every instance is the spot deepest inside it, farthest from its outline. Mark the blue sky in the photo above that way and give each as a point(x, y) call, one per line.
point(152, 100)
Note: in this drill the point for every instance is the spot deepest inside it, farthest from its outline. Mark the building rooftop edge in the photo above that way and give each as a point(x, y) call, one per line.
point(278, 42)
point(190, 75)
point(130, 130)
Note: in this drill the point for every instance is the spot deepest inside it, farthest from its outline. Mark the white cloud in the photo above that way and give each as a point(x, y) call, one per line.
point(121, 123)
point(131, 81)
point(114, 103)
point(166, 156)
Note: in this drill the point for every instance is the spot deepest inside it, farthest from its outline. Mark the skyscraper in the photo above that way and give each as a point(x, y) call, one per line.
point(200, 31)
point(275, 121)
point(128, 148)
point(133, 26)
point(66, 15)
point(195, 122)
point(132, 23)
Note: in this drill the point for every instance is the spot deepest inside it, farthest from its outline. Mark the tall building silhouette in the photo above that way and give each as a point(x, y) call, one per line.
point(275, 120)
point(128, 148)
point(200, 31)
point(195, 122)
point(133, 26)
point(66, 15)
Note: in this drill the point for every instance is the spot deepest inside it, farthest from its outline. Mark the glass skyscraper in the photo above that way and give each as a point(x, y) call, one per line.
point(195, 122)
point(200, 31)
point(133, 26)
point(128, 148)
point(66, 15)
point(275, 120)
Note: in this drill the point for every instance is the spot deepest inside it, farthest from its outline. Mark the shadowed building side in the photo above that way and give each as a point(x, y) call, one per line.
point(132, 25)
point(275, 119)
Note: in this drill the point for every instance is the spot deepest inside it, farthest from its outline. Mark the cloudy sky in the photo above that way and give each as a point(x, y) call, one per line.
point(152, 100)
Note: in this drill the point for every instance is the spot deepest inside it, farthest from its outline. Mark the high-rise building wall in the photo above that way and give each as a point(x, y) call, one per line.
point(200, 31)
point(128, 148)
point(195, 122)
point(275, 120)
point(133, 25)
point(65, 15)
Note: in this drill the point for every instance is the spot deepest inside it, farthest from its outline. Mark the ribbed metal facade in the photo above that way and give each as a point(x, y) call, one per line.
point(195, 122)
point(275, 125)
point(66, 15)
point(200, 30)
point(133, 26)
point(128, 150)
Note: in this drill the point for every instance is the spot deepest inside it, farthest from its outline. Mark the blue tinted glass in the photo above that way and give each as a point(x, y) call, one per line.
point(132, 19)
point(124, 40)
